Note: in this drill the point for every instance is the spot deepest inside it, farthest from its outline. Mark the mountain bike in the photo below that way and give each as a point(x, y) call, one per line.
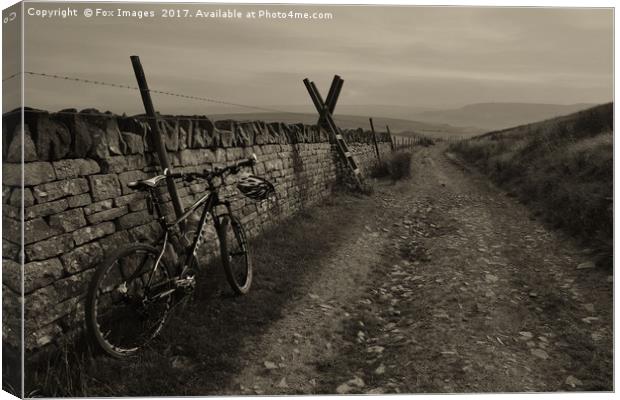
point(134, 289)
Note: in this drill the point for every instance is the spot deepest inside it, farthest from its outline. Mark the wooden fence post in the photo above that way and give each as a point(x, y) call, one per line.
point(374, 139)
point(390, 136)
point(157, 139)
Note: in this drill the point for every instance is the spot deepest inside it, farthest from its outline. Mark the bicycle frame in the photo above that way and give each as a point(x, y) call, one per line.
point(209, 202)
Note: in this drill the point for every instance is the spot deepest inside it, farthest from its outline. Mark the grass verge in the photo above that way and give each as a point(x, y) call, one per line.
point(562, 167)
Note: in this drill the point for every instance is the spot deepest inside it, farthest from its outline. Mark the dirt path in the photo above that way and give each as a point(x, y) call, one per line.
point(446, 285)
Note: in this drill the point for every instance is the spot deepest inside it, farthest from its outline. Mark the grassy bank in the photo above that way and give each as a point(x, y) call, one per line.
point(562, 168)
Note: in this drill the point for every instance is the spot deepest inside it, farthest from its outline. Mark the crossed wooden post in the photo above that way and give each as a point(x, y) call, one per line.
point(326, 121)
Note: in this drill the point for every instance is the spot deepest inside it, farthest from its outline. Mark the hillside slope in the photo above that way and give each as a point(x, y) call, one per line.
point(489, 116)
point(562, 167)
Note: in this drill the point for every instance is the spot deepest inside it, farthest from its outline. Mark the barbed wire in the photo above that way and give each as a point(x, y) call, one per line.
point(11, 76)
point(162, 92)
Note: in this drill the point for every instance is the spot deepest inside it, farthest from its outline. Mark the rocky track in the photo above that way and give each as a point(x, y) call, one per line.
point(448, 286)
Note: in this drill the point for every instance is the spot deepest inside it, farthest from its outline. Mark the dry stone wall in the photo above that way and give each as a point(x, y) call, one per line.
point(77, 205)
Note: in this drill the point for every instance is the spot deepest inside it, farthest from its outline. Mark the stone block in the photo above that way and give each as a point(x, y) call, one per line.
point(18, 193)
point(69, 220)
point(38, 304)
point(39, 274)
point(35, 339)
point(113, 136)
point(244, 134)
point(130, 176)
point(106, 215)
point(81, 133)
point(10, 250)
point(74, 285)
point(59, 189)
point(34, 173)
point(82, 258)
point(73, 168)
point(133, 219)
point(79, 200)
point(45, 209)
point(128, 199)
point(132, 143)
point(114, 241)
point(104, 186)
point(92, 126)
point(49, 248)
point(203, 134)
point(11, 212)
point(34, 230)
point(220, 155)
point(234, 154)
point(124, 163)
point(227, 138)
point(22, 141)
point(99, 206)
point(90, 233)
point(12, 275)
point(147, 233)
point(170, 131)
point(52, 138)
point(189, 157)
point(185, 129)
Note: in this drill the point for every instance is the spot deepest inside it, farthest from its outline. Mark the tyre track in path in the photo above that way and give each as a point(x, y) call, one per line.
point(447, 285)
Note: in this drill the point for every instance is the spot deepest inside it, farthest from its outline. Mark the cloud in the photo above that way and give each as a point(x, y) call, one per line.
point(410, 56)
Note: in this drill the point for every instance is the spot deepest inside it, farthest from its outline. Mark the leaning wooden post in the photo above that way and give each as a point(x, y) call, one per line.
point(156, 134)
point(374, 139)
point(390, 136)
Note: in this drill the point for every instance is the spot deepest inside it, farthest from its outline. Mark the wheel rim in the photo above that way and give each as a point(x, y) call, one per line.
point(124, 318)
point(237, 254)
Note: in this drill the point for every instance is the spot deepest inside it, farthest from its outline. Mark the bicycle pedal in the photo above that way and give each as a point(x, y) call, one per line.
point(187, 283)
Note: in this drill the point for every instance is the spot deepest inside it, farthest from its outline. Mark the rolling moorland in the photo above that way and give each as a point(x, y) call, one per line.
point(480, 117)
point(437, 123)
point(357, 121)
point(562, 168)
point(493, 116)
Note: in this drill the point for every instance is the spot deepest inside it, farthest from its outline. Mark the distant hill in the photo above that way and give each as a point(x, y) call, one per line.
point(354, 121)
point(492, 116)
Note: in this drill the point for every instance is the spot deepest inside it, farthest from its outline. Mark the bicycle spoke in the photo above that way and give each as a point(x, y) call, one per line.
point(125, 319)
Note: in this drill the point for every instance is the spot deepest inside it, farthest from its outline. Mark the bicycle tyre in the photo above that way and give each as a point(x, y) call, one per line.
point(111, 342)
point(235, 254)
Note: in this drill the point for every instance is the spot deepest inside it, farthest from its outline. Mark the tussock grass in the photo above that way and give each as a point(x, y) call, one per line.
point(562, 167)
point(399, 165)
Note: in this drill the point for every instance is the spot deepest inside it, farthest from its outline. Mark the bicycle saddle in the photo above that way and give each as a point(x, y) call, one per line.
point(147, 183)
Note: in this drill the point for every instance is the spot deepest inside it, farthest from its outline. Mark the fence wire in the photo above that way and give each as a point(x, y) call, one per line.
point(156, 91)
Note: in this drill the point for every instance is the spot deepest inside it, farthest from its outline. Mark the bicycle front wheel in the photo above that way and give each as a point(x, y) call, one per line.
point(235, 252)
point(128, 300)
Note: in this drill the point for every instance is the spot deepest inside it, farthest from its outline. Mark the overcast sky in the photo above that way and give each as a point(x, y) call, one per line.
point(405, 56)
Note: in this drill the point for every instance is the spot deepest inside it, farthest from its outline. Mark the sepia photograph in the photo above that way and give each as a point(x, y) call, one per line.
point(251, 199)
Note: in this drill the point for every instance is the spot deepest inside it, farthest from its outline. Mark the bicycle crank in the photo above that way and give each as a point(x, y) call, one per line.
point(187, 284)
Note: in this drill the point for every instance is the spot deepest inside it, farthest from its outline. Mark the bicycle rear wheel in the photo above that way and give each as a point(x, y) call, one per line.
point(124, 310)
point(235, 252)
